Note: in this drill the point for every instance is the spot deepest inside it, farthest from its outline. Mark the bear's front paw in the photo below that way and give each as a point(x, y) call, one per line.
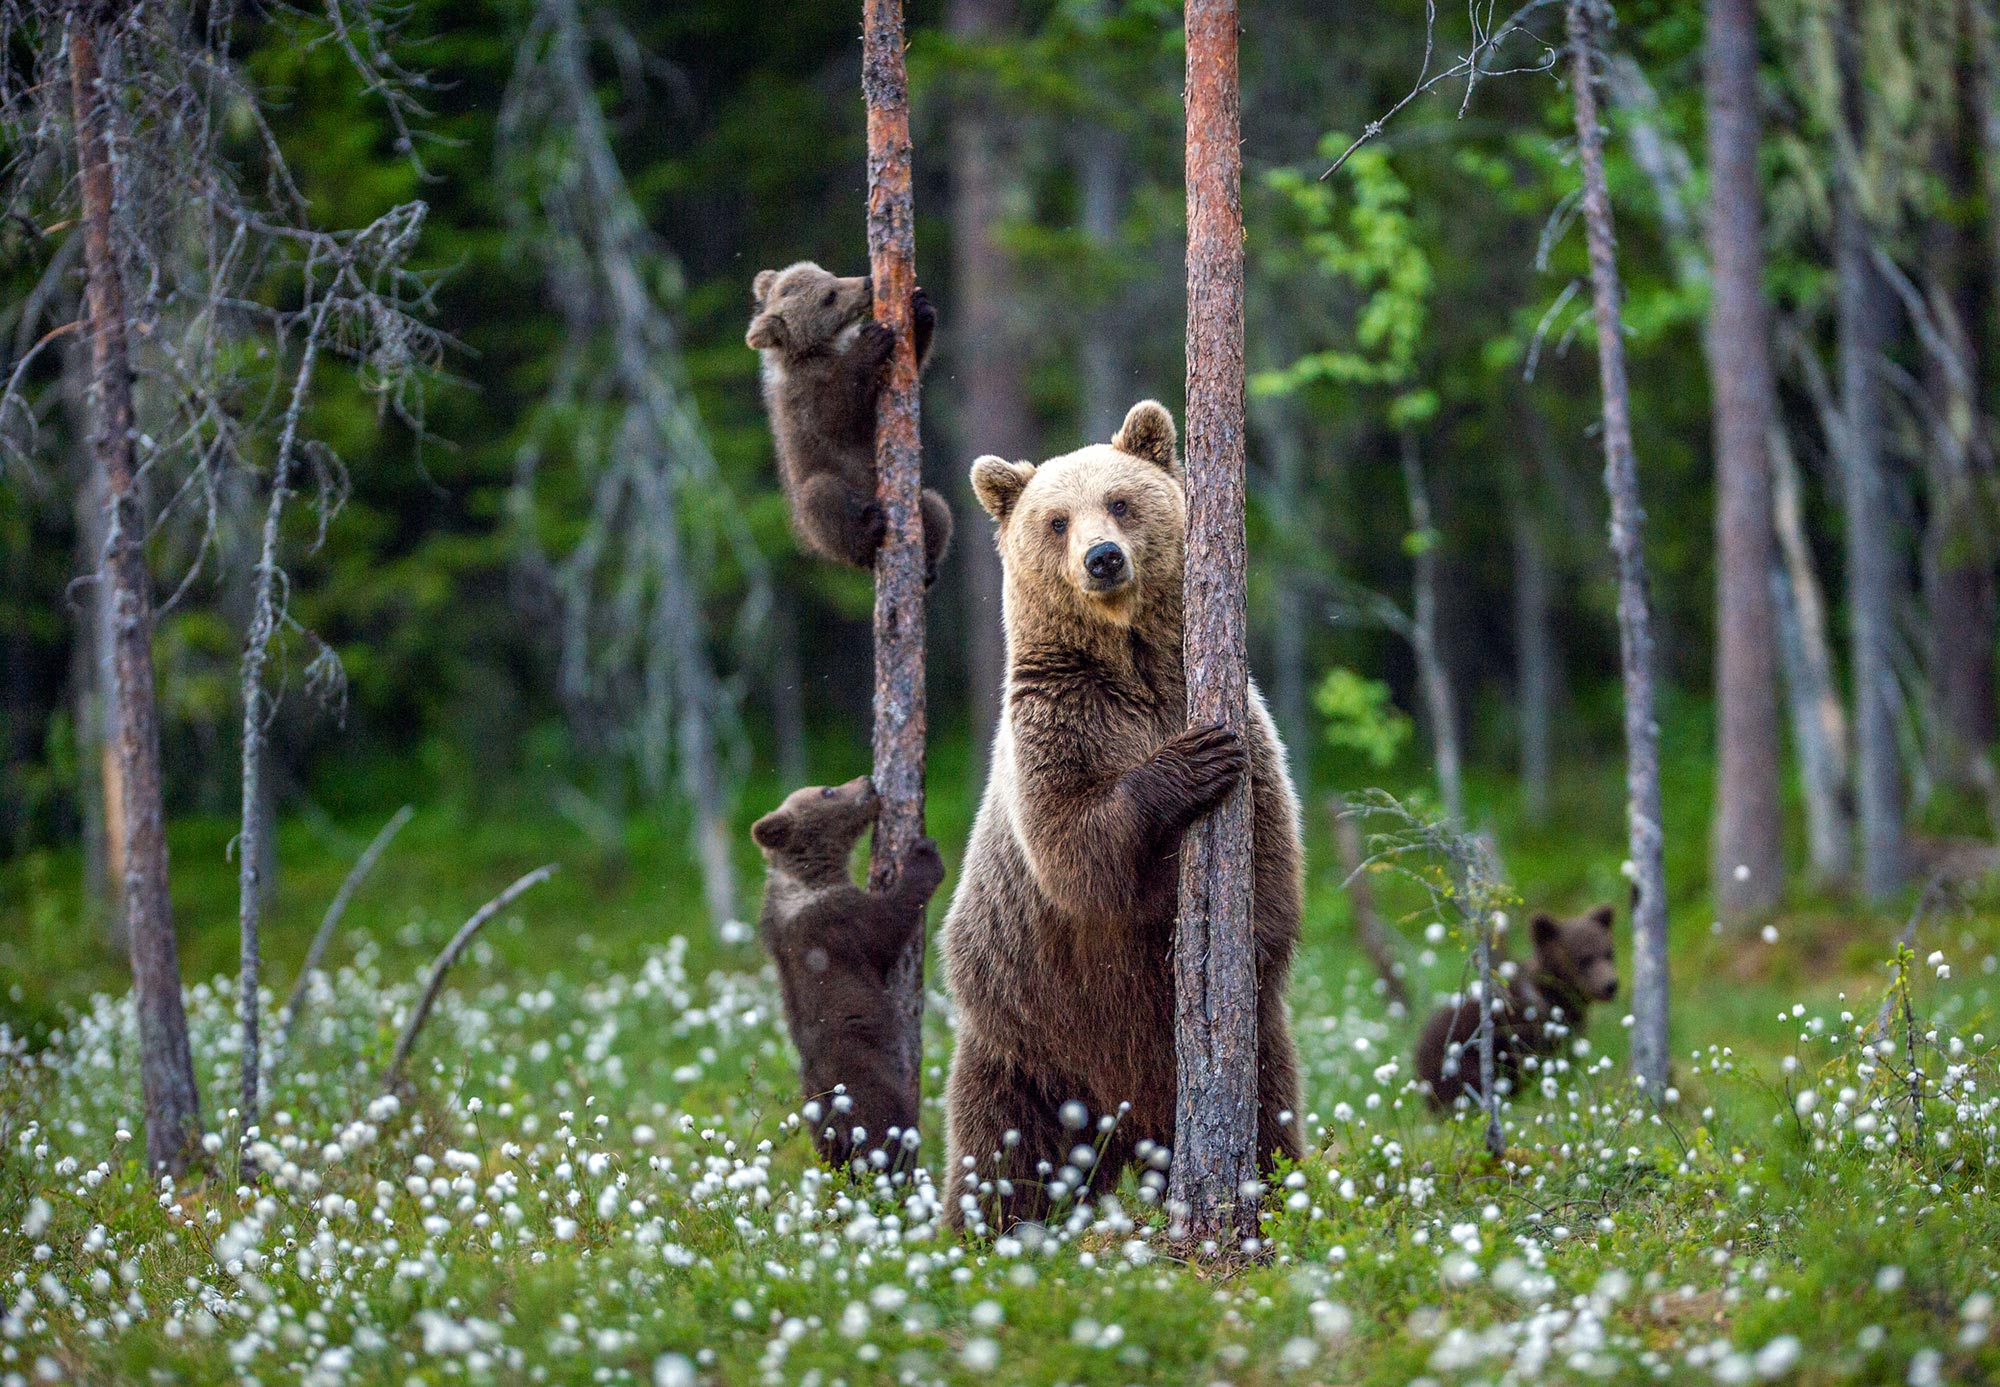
point(923, 867)
point(877, 343)
point(1206, 762)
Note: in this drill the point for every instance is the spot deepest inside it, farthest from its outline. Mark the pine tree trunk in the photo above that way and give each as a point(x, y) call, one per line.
point(1819, 723)
point(1628, 546)
point(900, 716)
point(1958, 549)
point(991, 355)
point(1440, 707)
point(166, 1068)
point(1215, 968)
point(1747, 863)
point(1864, 330)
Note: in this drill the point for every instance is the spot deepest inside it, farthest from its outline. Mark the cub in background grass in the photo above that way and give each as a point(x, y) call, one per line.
point(1544, 1004)
point(823, 358)
point(834, 944)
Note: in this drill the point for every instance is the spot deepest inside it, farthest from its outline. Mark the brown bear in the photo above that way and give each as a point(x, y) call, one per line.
point(1573, 966)
point(1058, 944)
point(823, 361)
point(834, 944)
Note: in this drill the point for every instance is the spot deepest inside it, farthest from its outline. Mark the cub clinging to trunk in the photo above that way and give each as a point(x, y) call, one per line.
point(834, 944)
point(824, 358)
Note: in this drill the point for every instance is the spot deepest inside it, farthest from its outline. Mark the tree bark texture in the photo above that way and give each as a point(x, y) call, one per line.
point(992, 361)
point(1747, 858)
point(1865, 325)
point(1958, 547)
point(1440, 707)
point(1649, 1053)
point(166, 1068)
point(1215, 966)
point(1819, 722)
point(899, 566)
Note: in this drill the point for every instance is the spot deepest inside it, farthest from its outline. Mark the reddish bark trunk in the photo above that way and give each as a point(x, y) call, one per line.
point(899, 566)
point(166, 1068)
point(1628, 547)
point(1747, 866)
point(1215, 968)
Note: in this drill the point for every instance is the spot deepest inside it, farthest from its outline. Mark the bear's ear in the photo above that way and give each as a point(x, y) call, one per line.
point(1148, 432)
point(760, 287)
point(773, 831)
point(999, 483)
point(1544, 929)
point(1603, 916)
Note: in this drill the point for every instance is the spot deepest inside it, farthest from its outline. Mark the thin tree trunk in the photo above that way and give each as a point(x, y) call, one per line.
point(90, 674)
point(1819, 723)
point(1489, 1085)
point(1441, 708)
point(1864, 330)
point(1958, 549)
point(1747, 865)
point(252, 851)
point(1534, 660)
point(1628, 546)
point(900, 716)
point(994, 416)
point(166, 1067)
point(1376, 940)
point(1215, 965)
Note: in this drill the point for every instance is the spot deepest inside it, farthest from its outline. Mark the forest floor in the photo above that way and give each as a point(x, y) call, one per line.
point(593, 1178)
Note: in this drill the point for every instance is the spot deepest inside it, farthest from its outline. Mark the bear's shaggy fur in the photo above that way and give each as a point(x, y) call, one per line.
point(1058, 944)
point(834, 944)
point(823, 361)
point(1573, 966)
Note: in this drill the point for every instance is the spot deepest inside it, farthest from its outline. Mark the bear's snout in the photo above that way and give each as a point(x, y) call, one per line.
point(1105, 563)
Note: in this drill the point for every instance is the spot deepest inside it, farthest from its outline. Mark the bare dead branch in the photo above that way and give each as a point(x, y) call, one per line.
point(392, 1076)
point(331, 920)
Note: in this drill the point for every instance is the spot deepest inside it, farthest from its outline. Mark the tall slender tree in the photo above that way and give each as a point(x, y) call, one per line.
point(1747, 861)
point(166, 1065)
point(1628, 547)
point(1215, 966)
point(1864, 331)
point(900, 709)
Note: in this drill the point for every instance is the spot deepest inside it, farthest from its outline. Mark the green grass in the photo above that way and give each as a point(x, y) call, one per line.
point(595, 1178)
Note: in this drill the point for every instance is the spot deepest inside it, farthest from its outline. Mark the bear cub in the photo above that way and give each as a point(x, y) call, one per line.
point(824, 363)
point(834, 944)
point(1544, 1004)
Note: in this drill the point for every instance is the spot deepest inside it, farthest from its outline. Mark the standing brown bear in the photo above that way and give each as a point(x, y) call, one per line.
point(1058, 943)
point(834, 944)
point(1573, 966)
point(823, 358)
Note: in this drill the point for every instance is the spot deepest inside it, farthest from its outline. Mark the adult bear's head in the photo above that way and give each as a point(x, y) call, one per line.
point(1094, 536)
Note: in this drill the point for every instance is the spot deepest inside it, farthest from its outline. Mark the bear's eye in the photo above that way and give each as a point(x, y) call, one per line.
point(827, 793)
point(1119, 508)
point(1059, 525)
point(831, 295)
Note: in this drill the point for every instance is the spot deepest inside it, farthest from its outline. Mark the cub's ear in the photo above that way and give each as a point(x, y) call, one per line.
point(1148, 432)
point(766, 330)
point(1603, 916)
point(1544, 929)
point(999, 483)
point(773, 831)
point(760, 287)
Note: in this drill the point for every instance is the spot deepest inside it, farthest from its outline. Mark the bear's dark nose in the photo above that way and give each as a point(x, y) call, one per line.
point(1105, 562)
